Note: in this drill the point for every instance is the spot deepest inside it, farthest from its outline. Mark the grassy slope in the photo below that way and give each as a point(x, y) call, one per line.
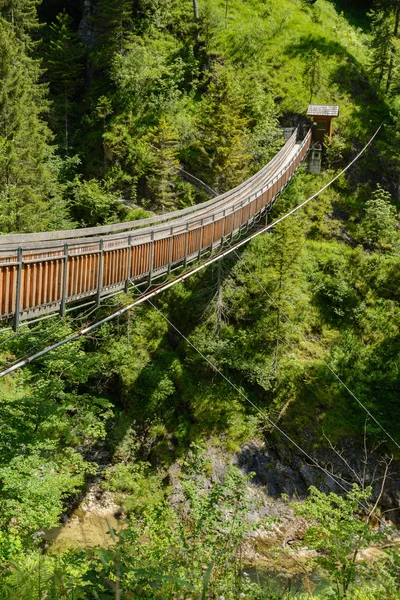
point(270, 42)
point(165, 388)
point(274, 40)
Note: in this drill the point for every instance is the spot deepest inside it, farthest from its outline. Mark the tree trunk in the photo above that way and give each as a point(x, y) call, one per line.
point(393, 51)
point(66, 122)
point(195, 10)
point(219, 297)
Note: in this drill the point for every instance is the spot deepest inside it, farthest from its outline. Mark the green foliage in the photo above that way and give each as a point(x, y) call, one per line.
point(163, 165)
point(222, 146)
point(113, 24)
point(10, 549)
point(64, 65)
point(337, 533)
point(45, 431)
point(30, 195)
point(385, 43)
point(381, 44)
point(379, 226)
point(138, 489)
point(137, 90)
point(92, 204)
point(23, 17)
point(170, 550)
point(33, 490)
point(313, 73)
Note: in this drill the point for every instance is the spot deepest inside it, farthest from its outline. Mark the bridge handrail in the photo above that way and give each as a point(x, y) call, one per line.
point(202, 215)
point(16, 240)
point(38, 278)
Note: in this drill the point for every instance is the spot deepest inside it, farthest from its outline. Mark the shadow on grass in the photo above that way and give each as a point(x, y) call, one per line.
point(351, 78)
point(354, 11)
point(165, 388)
point(310, 42)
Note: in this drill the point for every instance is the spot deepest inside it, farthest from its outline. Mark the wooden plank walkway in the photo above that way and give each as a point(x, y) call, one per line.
point(44, 272)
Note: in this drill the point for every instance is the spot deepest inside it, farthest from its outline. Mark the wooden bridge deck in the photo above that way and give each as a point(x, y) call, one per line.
point(42, 273)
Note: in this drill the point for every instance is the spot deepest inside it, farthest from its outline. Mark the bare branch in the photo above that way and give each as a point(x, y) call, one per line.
point(388, 463)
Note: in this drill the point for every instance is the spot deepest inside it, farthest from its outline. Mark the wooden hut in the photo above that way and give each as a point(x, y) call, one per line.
point(322, 115)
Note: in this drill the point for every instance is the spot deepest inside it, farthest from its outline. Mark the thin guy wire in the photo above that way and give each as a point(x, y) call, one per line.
point(18, 364)
point(75, 336)
point(274, 425)
point(321, 358)
point(48, 332)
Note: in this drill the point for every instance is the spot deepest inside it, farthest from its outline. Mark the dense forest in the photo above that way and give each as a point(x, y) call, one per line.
point(175, 411)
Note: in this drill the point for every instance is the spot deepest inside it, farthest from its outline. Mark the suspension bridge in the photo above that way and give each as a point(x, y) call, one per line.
point(43, 273)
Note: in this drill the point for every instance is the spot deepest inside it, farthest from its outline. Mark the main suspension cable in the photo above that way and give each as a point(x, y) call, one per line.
point(263, 413)
point(29, 359)
point(328, 366)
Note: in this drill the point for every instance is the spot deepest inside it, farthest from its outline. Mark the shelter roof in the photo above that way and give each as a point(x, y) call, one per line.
point(323, 110)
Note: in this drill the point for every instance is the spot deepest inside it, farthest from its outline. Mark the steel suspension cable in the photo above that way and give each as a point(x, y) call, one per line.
point(182, 278)
point(261, 412)
point(328, 366)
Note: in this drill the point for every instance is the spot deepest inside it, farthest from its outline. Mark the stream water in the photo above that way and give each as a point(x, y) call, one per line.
point(282, 581)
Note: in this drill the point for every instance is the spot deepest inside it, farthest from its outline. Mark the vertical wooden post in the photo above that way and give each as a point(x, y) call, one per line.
point(233, 224)
point(64, 282)
point(18, 291)
point(171, 244)
point(151, 257)
point(212, 232)
point(186, 245)
point(100, 273)
point(223, 230)
point(247, 216)
point(201, 239)
point(241, 217)
point(128, 265)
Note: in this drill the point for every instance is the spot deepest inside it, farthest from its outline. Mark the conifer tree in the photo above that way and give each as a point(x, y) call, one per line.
point(380, 222)
point(65, 69)
point(384, 44)
point(29, 193)
point(396, 28)
point(22, 16)
point(162, 141)
point(113, 23)
point(285, 255)
point(313, 73)
point(380, 44)
point(223, 153)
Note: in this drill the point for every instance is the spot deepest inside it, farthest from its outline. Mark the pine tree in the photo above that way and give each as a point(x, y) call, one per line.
point(393, 52)
point(380, 222)
point(285, 255)
point(162, 141)
point(384, 43)
point(380, 44)
point(22, 16)
point(29, 193)
point(222, 149)
point(113, 22)
point(313, 73)
point(65, 71)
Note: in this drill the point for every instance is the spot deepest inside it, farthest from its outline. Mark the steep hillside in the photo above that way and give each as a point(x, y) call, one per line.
point(111, 98)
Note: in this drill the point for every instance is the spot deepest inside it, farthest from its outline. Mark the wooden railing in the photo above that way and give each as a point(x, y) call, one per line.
point(43, 272)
